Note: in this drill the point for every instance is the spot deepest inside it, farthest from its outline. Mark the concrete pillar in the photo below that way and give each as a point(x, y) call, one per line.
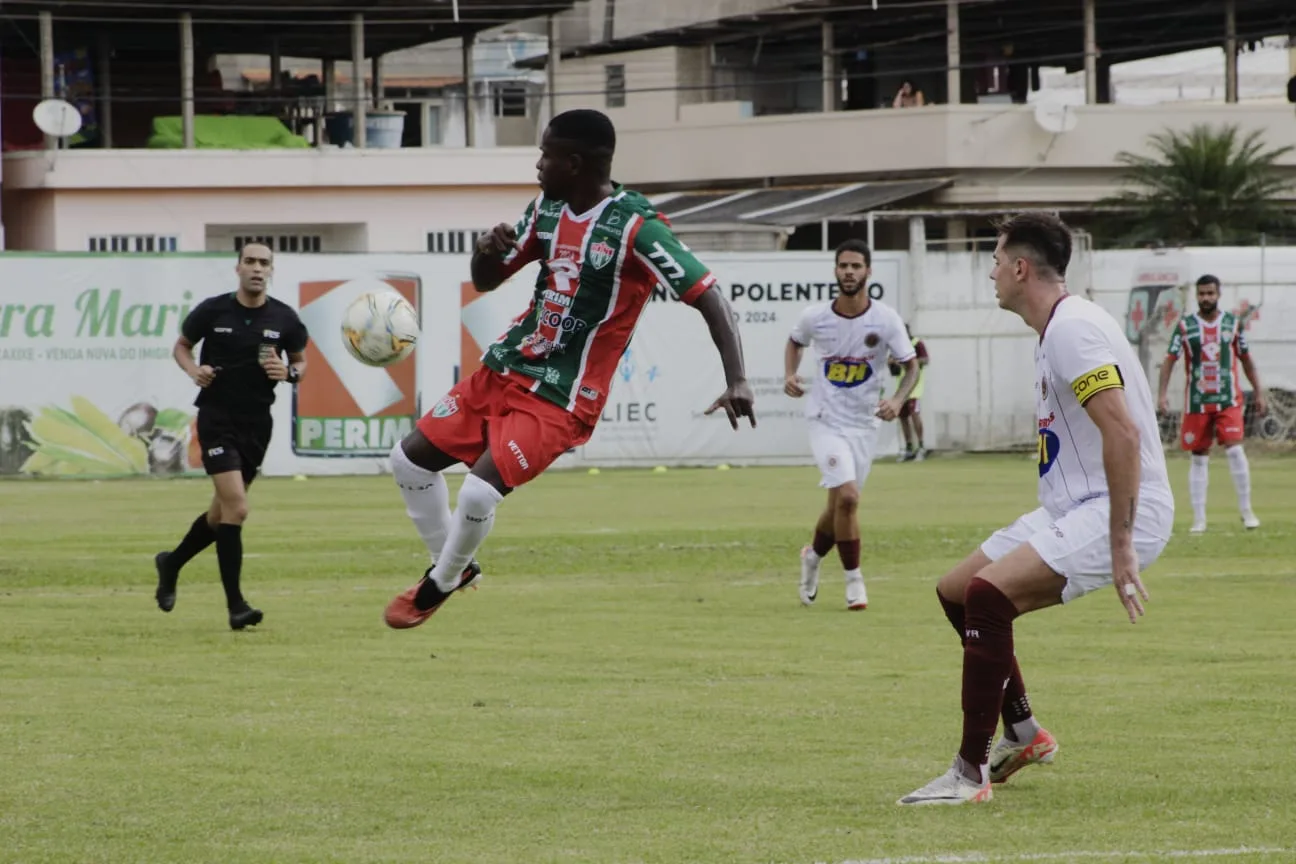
point(1230, 52)
point(187, 79)
point(104, 71)
point(276, 64)
point(1091, 52)
point(376, 73)
point(917, 265)
point(47, 65)
point(358, 81)
point(551, 66)
point(831, 87)
point(470, 125)
point(953, 54)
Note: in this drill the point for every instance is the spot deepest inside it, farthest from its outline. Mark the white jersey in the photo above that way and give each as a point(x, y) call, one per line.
point(1084, 352)
point(851, 359)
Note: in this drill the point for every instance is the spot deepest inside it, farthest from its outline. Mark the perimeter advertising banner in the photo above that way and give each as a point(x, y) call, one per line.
point(89, 387)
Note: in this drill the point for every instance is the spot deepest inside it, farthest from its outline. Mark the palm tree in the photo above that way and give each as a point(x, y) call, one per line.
point(1204, 187)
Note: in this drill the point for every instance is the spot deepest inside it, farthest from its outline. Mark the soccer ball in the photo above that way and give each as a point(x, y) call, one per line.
point(380, 328)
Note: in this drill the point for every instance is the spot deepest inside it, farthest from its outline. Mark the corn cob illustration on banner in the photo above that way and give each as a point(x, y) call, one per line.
point(85, 442)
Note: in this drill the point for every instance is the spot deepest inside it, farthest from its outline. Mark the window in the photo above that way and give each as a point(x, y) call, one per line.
point(616, 86)
point(134, 243)
point(282, 242)
point(510, 101)
point(451, 242)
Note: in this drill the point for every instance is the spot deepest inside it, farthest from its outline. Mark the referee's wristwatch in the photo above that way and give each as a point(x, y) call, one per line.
point(294, 374)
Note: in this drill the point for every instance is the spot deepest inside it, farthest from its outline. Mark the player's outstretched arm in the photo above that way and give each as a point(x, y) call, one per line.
point(1120, 442)
point(738, 399)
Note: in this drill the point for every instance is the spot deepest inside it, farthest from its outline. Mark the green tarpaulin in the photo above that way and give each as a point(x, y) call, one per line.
point(226, 133)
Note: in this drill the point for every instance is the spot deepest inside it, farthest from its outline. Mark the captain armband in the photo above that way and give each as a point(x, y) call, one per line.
point(1100, 379)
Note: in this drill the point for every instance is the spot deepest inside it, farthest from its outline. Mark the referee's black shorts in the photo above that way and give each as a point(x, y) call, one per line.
point(232, 441)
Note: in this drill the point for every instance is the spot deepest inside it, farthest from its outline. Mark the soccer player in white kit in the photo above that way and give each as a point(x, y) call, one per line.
point(1105, 514)
point(851, 337)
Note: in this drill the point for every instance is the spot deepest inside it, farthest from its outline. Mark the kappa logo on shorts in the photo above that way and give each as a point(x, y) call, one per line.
point(446, 406)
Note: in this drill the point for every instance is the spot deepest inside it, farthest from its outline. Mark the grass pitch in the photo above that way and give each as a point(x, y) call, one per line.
point(634, 682)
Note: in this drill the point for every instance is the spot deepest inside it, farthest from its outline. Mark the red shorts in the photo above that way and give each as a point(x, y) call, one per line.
point(1197, 429)
point(910, 408)
point(524, 432)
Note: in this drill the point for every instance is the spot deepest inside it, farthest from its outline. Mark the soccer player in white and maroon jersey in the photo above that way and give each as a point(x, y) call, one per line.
point(543, 384)
point(851, 337)
point(1106, 509)
point(1214, 348)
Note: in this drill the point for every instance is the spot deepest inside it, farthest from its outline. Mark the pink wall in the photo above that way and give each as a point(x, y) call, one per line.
point(398, 219)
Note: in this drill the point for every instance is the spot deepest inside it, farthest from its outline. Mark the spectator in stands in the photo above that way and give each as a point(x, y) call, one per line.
point(908, 96)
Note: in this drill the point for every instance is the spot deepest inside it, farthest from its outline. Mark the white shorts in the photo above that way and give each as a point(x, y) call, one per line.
point(843, 455)
point(1077, 545)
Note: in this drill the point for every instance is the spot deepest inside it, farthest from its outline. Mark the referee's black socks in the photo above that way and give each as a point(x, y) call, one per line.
point(200, 536)
point(229, 552)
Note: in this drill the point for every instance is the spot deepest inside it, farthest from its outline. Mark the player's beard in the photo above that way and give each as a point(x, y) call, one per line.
point(1207, 309)
point(850, 290)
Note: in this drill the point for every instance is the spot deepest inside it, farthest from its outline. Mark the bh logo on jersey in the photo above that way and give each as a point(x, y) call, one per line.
point(1049, 445)
point(847, 371)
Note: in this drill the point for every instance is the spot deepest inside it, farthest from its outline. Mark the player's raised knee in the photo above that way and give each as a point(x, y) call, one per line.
point(847, 499)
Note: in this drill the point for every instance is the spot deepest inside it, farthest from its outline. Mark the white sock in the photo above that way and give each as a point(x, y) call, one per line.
point(852, 575)
point(1241, 472)
point(427, 499)
point(1198, 480)
point(1023, 731)
point(472, 521)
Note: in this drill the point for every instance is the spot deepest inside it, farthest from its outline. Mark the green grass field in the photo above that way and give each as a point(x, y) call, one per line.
point(634, 682)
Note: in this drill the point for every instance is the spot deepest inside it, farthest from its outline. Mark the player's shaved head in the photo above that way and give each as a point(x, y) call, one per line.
point(585, 131)
point(1043, 238)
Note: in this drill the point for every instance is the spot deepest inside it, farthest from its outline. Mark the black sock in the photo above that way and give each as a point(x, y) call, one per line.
point(428, 595)
point(200, 536)
point(229, 552)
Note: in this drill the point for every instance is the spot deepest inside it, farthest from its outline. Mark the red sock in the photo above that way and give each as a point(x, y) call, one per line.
point(848, 551)
point(987, 664)
point(823, 543)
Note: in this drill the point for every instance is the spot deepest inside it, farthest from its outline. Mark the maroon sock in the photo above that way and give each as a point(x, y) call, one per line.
point(987, 664)
point(848, 551)
point(823, 543)
point(954, 612)
point(1016, 705)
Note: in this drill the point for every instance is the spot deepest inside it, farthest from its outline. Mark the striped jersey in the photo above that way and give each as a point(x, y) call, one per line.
point(597, 272)
point(1211, 350)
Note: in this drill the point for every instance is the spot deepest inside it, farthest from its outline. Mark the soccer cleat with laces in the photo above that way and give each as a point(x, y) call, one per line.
point(950, 788)
point(809, 588)
point(1009, 756)
point(402, 613)
point(1249, 520)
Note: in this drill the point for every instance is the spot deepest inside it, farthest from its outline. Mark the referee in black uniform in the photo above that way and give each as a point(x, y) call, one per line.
point(244, 335)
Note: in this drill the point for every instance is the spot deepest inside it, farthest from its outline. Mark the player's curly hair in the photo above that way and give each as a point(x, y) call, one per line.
point(1044, 236)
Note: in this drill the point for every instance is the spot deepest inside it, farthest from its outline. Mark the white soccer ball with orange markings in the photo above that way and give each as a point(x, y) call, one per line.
point(380, 328)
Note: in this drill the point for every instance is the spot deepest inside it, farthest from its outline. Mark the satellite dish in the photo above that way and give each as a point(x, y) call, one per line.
point(57, 117)
point(1056, 117)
